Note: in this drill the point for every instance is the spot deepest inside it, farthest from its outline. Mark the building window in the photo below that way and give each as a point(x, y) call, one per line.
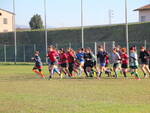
point(0, 14)
point(143, 18)
point(5, 21)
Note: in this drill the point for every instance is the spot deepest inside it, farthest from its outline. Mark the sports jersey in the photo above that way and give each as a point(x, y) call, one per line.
point(70, 57)
point(102, 56)
point(63, 58)
point(116, 57)
point(80, 57)
point(133, 59)
point(38, 61)
point(144, 56)
point(87, 56)
point(124, 58)
point(107, 59)
point(53, 56)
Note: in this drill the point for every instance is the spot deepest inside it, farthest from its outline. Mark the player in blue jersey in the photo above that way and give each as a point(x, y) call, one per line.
point(80, 59)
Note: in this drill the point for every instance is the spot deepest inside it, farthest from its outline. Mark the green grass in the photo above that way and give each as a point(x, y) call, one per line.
point(22, 92)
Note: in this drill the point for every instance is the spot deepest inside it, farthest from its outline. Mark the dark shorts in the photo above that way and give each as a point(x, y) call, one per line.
point(124, 66)
point(64, 65)
point(134, 67)
point(94, 63)
point(116, 65)
point(53, 63)
point(37, 67)
point(88, 64)
point(102, 64)
point(144, 62)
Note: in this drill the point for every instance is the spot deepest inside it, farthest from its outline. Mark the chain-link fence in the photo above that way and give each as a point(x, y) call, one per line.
point(25, 52)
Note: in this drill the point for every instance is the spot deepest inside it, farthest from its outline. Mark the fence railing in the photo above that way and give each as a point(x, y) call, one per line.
point(25, 52)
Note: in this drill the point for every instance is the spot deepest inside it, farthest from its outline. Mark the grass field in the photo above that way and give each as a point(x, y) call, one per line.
point(22, 92)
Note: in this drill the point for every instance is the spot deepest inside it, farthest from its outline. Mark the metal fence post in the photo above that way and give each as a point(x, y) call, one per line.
point(24, 53)
point(34, 46)
point(104, 45)
point(56, 45)
point(5, 53)
point(69, 45)
point(113, 44)
point(95, 46)
point(145, 44)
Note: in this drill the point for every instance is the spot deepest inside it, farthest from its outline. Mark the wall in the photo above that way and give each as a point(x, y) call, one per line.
point(9, 25)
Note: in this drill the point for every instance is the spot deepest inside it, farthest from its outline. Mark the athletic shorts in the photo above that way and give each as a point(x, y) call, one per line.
point(82, 62)
point(64, 65)
point(134, 67)
point(94, 63)
point(116, 65)
point(38, 67)
point(88, 64)
point(53, 63)
point(144, 63)
point(103, 64)
point(124, 66)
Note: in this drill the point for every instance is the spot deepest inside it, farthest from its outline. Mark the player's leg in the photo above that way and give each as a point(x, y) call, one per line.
point(41, 73)
point(143, 70)
point(115, 68)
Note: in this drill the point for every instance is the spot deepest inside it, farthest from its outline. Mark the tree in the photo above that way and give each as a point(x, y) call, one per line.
point(36, 22)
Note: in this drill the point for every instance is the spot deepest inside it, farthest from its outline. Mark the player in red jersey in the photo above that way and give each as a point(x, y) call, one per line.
point(63, 62)
point(124, 61)
point(53, 60)
point(71, 60)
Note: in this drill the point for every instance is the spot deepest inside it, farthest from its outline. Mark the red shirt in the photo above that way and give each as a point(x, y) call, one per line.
point(63, 58)
point(107, 59)
point(124, 58)
point(53, 56)
point(70, 57)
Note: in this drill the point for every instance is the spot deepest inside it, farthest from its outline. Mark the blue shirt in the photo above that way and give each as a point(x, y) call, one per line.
point(80, 57)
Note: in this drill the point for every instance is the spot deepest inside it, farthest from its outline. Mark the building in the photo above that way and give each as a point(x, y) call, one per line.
point(6, 21)
point(144, 13)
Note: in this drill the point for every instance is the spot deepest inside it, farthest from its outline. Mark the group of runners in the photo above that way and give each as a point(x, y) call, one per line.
point(70, 63)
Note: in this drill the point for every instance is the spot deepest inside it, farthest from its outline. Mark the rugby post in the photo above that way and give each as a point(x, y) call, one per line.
point(127, 27)
point(82, 27)
point(45, 17)
point(14, 29)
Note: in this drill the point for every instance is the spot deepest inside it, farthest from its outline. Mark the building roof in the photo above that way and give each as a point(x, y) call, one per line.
point(7, 11)
point(146, 7)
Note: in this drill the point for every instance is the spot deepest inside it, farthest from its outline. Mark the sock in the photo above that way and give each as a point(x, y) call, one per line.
point(42, 75)
point(57, 70)
point(144, 74)
point(137, 75)
point(116, 74)
point(125, 75)
point(52, 73)
point(80, 71)
point(39, 73)
point(100, 74)
point(132, 73)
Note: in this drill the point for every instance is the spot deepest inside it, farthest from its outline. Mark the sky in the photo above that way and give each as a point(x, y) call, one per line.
point(66, 13)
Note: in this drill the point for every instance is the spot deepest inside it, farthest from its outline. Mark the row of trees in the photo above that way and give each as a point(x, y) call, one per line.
point(36, 22)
